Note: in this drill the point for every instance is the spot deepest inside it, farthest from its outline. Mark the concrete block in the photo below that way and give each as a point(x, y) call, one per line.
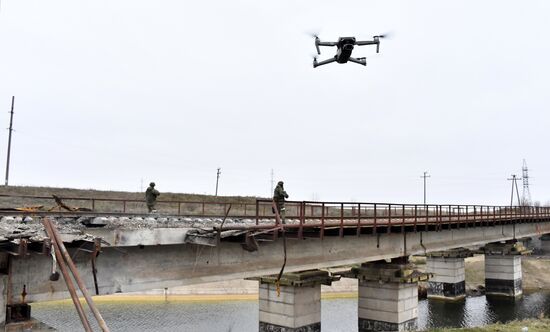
point(289, 309)
point(448, 279)
point(295, 308)
point(388, 305)
point(390, 317)
point(503, 275)
point(386, 291)
point(509, 260)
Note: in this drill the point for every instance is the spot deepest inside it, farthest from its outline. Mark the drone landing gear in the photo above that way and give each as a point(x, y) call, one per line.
point(324, 62)
point(360, 61)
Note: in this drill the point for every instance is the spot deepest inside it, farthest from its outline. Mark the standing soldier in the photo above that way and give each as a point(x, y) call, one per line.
point(279, 196)
point(151, 195)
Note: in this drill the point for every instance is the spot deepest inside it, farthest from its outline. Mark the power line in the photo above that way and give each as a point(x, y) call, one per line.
point(9, 141)
point(424, 177)
point(526, 197)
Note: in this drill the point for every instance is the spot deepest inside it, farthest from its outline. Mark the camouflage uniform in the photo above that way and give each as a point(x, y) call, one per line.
point(279, 196)
point(151, 195)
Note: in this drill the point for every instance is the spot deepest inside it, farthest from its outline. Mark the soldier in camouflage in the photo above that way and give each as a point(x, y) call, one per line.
point(151, 195)
point(279, 196)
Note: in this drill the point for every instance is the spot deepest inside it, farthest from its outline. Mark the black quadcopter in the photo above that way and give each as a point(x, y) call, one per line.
point(345, 47)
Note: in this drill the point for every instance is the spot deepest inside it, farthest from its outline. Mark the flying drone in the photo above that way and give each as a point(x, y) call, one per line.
point(344, 48)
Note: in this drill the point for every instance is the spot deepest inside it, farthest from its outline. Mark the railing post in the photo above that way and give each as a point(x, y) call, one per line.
point(302, 219)
point(258, 212)
point(467, 215)
point(179, 208)
point(322, 221)
point(427, 210)
point(415, 216)
point(374, 227)
point(494, 216)
point(341, 220)
point(124, 206)
point(389, 219)
point(93, 204)
point(403, 220)
point(359, 219)
point(458, 217)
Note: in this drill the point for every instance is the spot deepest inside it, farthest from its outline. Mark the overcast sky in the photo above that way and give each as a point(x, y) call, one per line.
point(112, 92)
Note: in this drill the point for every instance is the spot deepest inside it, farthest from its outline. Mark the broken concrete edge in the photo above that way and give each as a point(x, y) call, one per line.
point(453, 253)
point(307, 278)
point(372, 274)
point(504, 249)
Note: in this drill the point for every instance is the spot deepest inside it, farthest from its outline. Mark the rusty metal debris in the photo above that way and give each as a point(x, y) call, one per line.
point(64, 206)
point(52, 231)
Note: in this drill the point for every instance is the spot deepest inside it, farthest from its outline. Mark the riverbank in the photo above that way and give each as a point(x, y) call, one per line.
point(533, 325)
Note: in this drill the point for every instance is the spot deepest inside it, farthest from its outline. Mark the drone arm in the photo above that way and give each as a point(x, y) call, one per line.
point(376, 42)
point(326, 43)
point(366, 42)
point(360, 61)
point(324, 62)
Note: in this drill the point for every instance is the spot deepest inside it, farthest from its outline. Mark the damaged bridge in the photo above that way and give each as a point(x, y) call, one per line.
point(128, 251)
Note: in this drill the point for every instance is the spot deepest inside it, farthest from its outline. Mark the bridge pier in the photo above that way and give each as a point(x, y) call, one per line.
point(388, 295)
point(545, 244)
point(296, 305)
point(503, 275)
point(448, 282)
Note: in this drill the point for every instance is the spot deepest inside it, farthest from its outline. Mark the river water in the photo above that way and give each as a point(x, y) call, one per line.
point(235, 316)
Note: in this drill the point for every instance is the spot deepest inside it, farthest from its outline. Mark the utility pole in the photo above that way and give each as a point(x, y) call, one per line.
point(9, 141)
point(526, 197)
point(425, 176)
point(272, 176)
point(514, 184)
point(217, 180)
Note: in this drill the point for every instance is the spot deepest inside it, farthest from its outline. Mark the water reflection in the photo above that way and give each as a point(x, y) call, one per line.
point(482, 310)
point(337, 314)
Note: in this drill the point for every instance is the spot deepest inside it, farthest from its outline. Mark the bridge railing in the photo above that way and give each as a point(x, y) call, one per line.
point(301, 214)
point(342, 215)
point(133, 206)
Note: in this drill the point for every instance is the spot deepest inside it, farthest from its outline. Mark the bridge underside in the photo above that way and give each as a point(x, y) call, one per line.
point(146, 259)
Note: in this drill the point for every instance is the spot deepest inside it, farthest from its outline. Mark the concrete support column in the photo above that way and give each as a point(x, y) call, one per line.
point(448, 282)
point(296, 305)
point(545, 244)
point(503, 275)
point(388, 295)
point(503, 268)
point(388, 306)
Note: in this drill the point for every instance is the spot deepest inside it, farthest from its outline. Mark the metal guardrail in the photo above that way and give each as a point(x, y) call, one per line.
point(342, 215)
point(302, 215)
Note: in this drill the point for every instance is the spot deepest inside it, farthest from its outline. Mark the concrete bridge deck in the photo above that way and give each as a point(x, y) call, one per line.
point(140, 252)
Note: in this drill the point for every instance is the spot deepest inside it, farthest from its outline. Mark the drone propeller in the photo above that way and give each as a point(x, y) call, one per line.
point(315, 34)
point(385, 35)
point(377, 38)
